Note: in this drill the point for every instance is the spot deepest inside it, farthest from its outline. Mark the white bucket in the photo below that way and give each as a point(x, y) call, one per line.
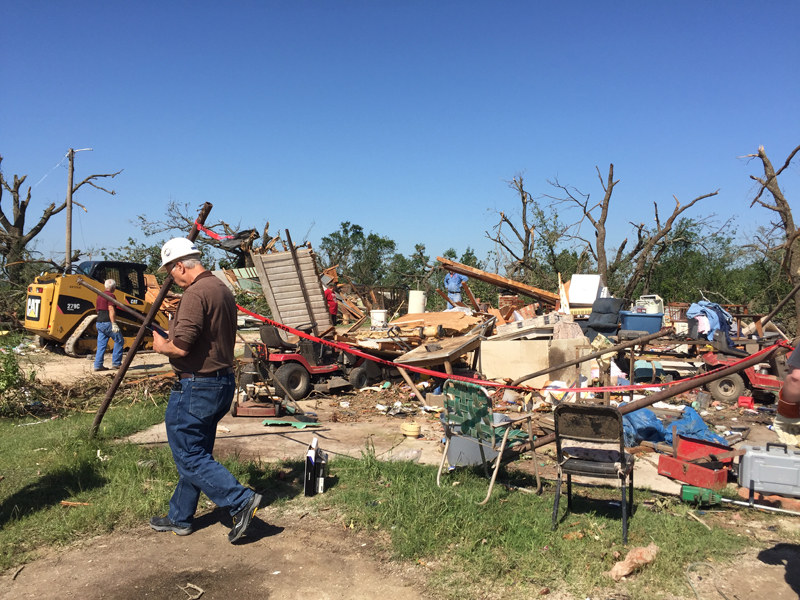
point(416, 302)
point(651, 309)
point(378, 317)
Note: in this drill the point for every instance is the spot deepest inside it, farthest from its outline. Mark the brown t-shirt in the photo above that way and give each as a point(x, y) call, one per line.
point(205, 326)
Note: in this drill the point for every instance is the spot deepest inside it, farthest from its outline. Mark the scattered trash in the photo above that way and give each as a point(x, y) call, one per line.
point(102, 458)
point(147, 464)
point(636, 558)
point(344, 404)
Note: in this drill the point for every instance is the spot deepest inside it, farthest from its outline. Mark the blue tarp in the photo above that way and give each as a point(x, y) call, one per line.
point(643, 425)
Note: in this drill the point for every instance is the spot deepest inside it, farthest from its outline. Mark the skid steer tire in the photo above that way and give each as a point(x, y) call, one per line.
point(727, 389)
point(296, 380)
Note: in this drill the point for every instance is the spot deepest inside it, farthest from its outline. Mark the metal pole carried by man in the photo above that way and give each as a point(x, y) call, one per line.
point(200, 350)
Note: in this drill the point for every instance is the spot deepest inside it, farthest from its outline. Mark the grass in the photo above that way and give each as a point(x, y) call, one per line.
point(509, 541)
point(504, 549)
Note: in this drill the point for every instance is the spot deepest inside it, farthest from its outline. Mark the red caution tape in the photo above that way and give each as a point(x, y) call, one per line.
point(212, 234)
point(439, 375)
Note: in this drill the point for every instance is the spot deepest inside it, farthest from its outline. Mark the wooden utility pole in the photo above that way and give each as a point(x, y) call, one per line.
point(68, 259)
point(71, 156)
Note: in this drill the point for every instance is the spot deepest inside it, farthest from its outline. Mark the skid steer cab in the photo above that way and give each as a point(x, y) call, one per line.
point(296, 368)
point(61, 312)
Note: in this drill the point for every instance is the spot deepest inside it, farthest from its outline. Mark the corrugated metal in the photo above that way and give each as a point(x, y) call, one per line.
point(280, 282)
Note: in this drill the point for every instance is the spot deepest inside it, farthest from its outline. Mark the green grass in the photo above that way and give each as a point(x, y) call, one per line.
point(45, 463)
point(509, 541)
point(506, 546)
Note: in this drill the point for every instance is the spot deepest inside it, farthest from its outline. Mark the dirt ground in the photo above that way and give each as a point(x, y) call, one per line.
point(298, 555)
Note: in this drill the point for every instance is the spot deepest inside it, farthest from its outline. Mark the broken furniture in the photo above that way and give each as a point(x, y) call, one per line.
point(441, 352)
point(604, 318)
point(595, 425)
point(468, 417)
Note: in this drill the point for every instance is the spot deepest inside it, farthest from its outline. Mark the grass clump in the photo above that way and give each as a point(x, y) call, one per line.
point(509, 541)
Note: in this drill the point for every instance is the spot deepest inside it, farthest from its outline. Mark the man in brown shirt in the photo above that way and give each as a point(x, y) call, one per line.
point(200, 349)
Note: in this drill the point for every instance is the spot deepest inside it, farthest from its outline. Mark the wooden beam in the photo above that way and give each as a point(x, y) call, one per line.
point(448, 301)
point(470, 295)
point(544, 296)
point(410, 382)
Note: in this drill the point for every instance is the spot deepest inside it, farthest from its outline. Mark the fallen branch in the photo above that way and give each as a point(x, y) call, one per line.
point(68, 503)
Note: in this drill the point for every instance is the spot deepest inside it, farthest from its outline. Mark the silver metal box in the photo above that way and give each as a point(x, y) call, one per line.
point(771, 469)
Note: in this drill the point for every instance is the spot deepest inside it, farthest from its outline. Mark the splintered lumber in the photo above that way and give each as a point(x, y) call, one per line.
point(453, 323)
point(544, 296)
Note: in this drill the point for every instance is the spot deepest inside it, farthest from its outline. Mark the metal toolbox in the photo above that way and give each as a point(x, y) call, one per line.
point(770, 469)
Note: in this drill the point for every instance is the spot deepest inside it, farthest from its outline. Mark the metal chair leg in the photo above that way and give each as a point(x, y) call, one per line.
point(555, 502)
point(441, 464)
point(569, 492)
point(497, 466)
point(630, 493)
point(624, 511)
point(535, 461)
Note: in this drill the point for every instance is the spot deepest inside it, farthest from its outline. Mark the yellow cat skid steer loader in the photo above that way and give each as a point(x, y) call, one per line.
point(62, 312)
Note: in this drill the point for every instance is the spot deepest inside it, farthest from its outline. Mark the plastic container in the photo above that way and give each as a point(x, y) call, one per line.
point(378, 317)
point(416, 302)
point(641, 322)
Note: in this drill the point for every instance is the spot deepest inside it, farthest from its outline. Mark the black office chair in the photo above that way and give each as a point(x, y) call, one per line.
point(598, 424)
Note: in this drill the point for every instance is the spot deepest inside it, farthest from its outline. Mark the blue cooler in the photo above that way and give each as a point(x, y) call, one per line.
point(650, 323)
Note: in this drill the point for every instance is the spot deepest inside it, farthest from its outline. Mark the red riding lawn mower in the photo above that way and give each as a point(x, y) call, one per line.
point(762, 381)
point(293, 369)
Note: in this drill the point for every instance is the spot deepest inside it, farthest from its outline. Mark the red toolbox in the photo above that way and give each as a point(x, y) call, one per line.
point(691, 473)
point(687, 449)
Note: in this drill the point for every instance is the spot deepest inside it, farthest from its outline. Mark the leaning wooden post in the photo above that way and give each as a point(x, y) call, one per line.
point(128, 359)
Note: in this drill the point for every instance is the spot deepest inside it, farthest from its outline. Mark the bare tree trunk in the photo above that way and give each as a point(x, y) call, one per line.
point(791, 247)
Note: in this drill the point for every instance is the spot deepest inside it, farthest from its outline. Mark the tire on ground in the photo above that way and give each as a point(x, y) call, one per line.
point(296, 380)
point(728, 388)
point(358, 377)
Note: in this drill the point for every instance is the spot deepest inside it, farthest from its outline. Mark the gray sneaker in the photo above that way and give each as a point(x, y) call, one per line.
point(241, 520)
point(164, 524)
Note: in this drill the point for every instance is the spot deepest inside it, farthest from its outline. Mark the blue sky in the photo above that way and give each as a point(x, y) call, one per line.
point(404, 117)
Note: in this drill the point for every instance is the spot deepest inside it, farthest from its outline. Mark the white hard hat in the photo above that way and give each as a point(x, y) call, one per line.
point(175, 249)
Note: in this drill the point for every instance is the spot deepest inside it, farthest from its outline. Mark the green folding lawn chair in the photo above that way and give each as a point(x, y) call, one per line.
point(468, 415)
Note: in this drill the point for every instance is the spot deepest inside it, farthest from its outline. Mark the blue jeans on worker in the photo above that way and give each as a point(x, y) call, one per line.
point(104, 333)
point(196, 405)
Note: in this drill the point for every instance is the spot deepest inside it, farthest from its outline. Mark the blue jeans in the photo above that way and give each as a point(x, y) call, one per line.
point(196, 405)
point(103, 334)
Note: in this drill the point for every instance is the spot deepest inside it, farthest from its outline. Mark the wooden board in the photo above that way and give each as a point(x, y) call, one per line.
point(451, 348)
point(452, 322)
point(281, 284)
point(546, 297)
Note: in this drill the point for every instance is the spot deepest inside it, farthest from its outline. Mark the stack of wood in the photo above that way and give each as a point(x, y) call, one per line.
point(411, 330)
point(170, 303)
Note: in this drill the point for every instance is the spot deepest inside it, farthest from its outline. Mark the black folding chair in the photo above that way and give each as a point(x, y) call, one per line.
point(599, 425)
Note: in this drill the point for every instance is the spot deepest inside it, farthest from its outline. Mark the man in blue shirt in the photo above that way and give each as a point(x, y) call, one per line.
point(452, 283)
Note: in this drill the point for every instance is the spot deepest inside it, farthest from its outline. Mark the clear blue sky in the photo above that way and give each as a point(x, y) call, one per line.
point(404, 117)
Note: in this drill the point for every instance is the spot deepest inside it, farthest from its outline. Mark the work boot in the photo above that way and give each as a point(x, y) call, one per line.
point(97, 369)
point(164, 524)
point(241, 520)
